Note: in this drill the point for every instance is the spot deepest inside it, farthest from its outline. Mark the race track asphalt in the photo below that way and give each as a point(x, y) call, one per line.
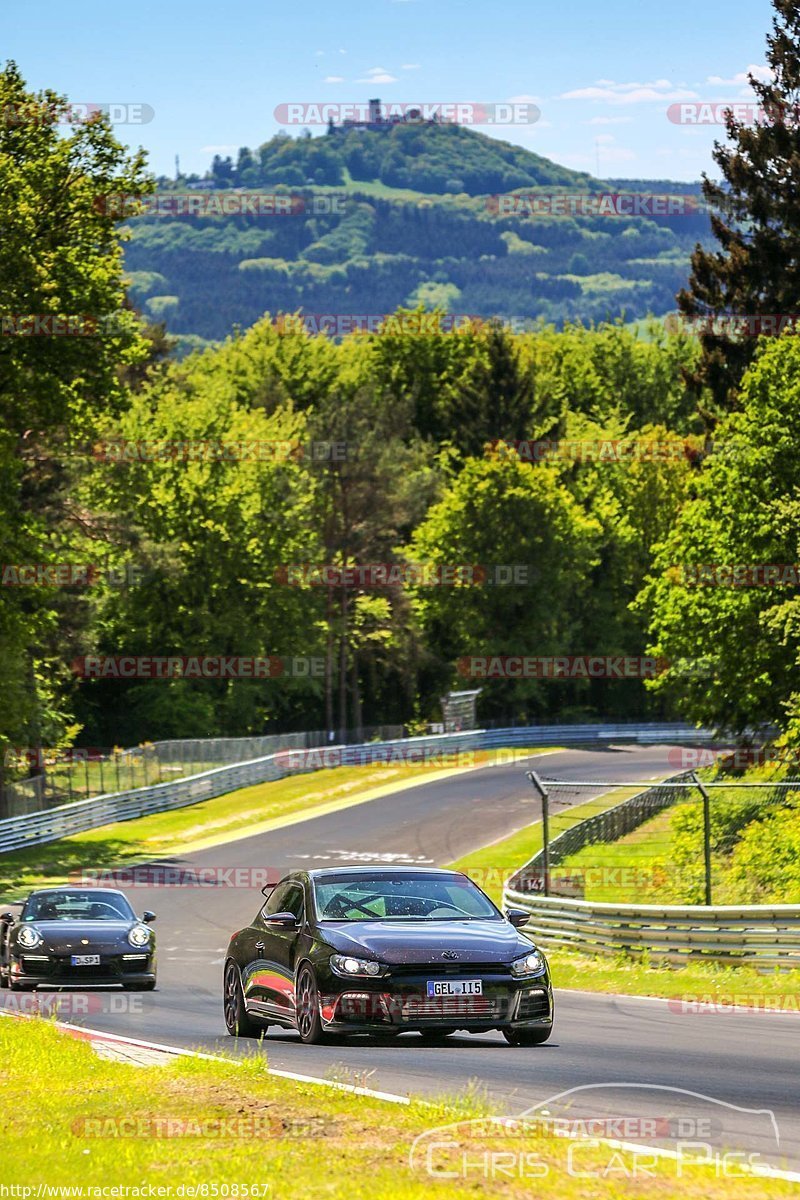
point(625, 1055)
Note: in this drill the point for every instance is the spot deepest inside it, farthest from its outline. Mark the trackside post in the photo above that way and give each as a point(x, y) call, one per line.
point(542, 790)
point(706, 834)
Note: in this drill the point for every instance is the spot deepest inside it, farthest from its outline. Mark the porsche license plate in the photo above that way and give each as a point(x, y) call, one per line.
point(455, 987)
point(85, 960)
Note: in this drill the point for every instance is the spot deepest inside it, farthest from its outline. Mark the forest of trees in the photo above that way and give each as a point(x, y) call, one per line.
point(208, 494)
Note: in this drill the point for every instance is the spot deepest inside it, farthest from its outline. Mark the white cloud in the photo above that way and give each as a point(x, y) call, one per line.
point(617, 154)
point(764, 73)
point(376, 71)
point(385, 78)
point(630, 93)
point(609, 121)
point(333, 79)
point(609, 156)
point(410, 66)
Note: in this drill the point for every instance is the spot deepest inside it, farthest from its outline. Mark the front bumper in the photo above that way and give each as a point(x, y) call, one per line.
point(34, 970)
point(372, 1005)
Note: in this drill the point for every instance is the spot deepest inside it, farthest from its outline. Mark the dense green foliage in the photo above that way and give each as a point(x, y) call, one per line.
point(741, 643)
point(753, 270)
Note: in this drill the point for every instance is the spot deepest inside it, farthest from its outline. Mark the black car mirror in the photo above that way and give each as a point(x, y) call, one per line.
point(148, 916)
point(285, 920)
point(518, 916)
point(6, 916)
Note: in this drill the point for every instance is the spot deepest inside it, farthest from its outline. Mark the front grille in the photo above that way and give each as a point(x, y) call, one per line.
point(450, 1008)
point(65, 970)
point(533, 1005)
point(32, 966)
point(439, 970)
point(361, 1008)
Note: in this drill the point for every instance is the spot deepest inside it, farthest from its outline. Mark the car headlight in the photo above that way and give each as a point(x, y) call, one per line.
point(29, 937)
point(139, 936)
point(346, 964)
point(531, 964)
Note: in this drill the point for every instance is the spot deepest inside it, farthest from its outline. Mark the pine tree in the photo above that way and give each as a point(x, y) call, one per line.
point(756, 219)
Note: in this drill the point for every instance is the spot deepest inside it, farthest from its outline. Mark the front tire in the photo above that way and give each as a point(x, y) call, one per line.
point(527, 1037)
point(237, 1020)
point(148, 986)
point(307, 1014)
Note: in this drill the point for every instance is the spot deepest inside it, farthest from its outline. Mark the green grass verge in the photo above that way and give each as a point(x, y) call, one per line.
point(179, 830)
point(72, 1119)
point(492, 865)
point(634, 870)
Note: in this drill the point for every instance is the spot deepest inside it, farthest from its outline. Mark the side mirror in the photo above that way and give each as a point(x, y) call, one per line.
point(284, 920)
point(6, 916)
point(518, 916)
point(148, 916)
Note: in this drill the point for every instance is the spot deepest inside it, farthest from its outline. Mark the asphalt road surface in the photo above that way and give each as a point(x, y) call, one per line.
point(715, 1078)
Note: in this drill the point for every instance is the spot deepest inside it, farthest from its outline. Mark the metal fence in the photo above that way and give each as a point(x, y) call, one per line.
point(81, 773)
point(602, 827)
point(627, 841)
point(51, 823)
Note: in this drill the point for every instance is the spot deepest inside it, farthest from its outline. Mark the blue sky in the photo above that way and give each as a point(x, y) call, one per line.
point(602, 74)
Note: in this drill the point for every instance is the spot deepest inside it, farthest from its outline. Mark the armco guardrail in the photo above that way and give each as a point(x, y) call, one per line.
point(52, 824)
point(754, 934)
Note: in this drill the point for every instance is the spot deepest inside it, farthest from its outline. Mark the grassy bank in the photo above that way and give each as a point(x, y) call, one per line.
point(493, 865)
point(73, 1119)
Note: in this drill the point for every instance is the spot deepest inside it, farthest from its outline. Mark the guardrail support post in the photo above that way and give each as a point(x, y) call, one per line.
point(706, 834)
point(542, 790)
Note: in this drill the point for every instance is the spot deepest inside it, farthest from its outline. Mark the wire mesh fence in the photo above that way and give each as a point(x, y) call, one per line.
point(48, 778)
point(686, 840)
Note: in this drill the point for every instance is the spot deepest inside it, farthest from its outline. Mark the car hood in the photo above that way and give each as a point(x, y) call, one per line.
point(414, 942)
point(70, 935)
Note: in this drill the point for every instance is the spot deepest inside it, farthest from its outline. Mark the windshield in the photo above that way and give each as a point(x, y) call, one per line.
point(78, 906)
point(385, 898)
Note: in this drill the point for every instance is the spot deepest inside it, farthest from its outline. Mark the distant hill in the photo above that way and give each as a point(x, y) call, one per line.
point(374, 220)
point(431, 158)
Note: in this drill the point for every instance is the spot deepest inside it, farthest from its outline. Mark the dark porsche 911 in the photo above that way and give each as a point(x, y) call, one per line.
point(75, 935)
point(386, 950)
